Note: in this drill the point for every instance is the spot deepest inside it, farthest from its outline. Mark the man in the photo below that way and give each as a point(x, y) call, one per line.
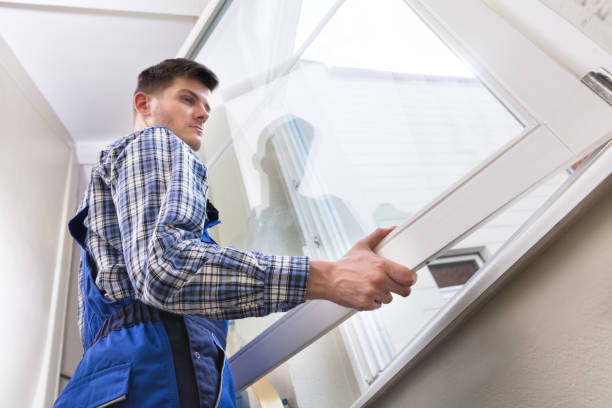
point(153, 284)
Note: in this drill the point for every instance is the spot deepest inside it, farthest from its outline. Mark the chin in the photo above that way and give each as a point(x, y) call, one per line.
point(193, 141)
point(195, 144)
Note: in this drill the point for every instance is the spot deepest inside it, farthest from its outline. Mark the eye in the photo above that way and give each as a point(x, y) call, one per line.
point(188, 99)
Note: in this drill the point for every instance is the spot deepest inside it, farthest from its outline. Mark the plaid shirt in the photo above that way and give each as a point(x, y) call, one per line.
point(147, 211)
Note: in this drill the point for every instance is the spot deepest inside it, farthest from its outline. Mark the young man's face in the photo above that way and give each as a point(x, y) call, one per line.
point(183, 108)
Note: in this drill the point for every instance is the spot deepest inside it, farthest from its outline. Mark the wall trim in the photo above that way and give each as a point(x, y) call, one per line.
point(49, 377)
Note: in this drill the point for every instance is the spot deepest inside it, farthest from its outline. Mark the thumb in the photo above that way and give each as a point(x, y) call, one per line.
point(375, 237)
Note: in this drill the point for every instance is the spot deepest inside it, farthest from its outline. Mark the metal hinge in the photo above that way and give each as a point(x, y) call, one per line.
point(600, 82)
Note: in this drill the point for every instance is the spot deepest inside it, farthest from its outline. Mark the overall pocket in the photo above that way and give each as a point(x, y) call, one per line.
point(100, 389)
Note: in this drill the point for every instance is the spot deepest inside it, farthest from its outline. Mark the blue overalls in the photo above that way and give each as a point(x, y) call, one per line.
point(140, 356)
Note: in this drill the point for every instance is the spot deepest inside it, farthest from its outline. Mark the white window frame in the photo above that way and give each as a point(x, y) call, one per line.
point(564, 121)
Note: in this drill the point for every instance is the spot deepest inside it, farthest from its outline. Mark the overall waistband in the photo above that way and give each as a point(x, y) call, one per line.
point(136, 313)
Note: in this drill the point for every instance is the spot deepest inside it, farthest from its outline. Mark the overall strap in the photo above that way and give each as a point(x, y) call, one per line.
point(76, 226)
point(95, 307)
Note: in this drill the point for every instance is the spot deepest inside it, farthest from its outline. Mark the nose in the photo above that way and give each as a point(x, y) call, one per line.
point(201, 113)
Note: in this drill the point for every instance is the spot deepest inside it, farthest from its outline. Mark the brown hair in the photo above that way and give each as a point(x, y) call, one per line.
point(158, 77)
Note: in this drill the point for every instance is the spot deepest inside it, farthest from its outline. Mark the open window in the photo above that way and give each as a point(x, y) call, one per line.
point(335, 117)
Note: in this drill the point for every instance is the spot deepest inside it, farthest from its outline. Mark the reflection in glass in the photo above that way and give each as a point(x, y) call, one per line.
point(451, 273)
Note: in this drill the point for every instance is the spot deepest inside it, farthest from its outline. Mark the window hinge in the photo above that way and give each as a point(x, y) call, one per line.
point(600, 82)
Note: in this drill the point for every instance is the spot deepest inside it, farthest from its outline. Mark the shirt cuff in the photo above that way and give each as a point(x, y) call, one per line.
point(285, 282)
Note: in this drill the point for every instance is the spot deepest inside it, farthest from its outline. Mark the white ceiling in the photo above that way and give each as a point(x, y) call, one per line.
point(85, 55)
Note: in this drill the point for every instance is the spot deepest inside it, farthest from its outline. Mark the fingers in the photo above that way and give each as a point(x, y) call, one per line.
point(383, 298)
point(392, 277)
point(364, 280)
point(387, 298)
point(375, 237)
point(402, 290)
point(399, 274)
point(388, 277)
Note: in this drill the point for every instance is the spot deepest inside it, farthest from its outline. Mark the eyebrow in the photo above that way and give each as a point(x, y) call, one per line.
point(189, 91)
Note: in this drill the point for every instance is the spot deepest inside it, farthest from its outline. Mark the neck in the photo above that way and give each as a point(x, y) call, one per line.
point(139, 123)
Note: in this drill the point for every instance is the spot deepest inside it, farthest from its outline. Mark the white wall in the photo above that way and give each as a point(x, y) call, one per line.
point(35, 178)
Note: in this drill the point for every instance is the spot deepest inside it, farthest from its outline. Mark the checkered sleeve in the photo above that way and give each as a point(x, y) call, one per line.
point(159, 189)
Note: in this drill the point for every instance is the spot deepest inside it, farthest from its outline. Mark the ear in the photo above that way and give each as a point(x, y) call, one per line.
point(142, 104)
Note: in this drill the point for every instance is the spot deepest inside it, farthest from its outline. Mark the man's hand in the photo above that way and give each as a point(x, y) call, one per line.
point(361, 279)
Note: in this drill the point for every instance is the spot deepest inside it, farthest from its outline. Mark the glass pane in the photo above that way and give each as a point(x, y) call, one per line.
point(370, 124)
point(404, 44)
point(312, 13)
point(253, 37)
